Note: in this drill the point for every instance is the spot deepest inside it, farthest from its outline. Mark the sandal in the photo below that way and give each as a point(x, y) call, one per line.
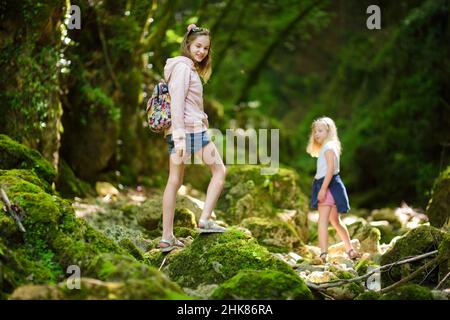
point(323, 256)
point(353, 256)
point(209, 226)
point(171, 244)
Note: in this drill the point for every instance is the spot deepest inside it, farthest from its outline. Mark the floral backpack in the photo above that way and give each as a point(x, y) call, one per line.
point(158, 108)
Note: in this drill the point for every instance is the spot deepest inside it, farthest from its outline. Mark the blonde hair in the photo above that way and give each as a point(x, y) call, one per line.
point(313, 147)
point(204, 68)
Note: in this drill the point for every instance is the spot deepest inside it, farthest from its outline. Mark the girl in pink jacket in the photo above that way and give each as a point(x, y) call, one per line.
point(188, 133)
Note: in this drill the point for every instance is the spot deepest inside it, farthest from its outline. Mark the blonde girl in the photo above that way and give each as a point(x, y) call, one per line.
point(188, 132)
point(328, 194)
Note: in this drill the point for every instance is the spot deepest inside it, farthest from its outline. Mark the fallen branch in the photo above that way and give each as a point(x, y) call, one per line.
point(411, 276)
point(162, 263)
point(337, 283)
point(11, 209)
point(442, 281)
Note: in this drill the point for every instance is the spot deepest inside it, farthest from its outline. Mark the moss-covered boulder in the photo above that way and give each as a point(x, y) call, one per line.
point(347, 291)
point(369, 295)
point(417, 241)
point(438, 209)
point(18, 156)
point(266, 284)
point(149, 213)
point(362, 266)
point(55, 239)
point(409, 292)
point(368, 236)
point(215, 258)
point(94, 289)
point(276, 235)
point(248, 193)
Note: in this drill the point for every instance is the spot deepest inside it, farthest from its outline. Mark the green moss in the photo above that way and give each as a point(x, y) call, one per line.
point(266, 284)
point(131, 248)
point(438, 209)
point(274, 234)
point(185, 232)
point(93, 289)
point(417, 241)
point(17, 156)
point(368, 236)
point(362, 266)
point(409, 292)
point(214, 258)
point(9, 177)
point(183, 218)
point(369, 295)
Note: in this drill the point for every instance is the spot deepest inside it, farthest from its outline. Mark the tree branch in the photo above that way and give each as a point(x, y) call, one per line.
point(442, 281)
point(337, 283)
point(411, 276)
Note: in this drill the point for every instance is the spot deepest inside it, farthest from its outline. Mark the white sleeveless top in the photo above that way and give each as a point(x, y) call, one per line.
point(322, 161)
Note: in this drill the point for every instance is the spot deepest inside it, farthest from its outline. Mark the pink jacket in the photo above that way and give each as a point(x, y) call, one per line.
point(186, 99)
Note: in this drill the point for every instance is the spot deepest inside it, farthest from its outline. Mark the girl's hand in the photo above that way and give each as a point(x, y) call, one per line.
point(321, 195)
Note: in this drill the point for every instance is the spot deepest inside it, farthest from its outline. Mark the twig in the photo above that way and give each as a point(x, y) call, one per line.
point(12, 210)
point(442, 281)
point(411, 276)
point(164, 260)
point(337, 283)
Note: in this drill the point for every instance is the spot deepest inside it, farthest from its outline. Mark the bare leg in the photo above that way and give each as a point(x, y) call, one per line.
point(324, 214)
point(211, 157)
point(174, 182)
point(341, 228)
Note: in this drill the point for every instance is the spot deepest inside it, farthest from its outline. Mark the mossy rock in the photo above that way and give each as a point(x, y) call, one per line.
point(8, 177)
point(55, 239)
point(417, 241)
point(183, 218)
point(369, 295)
point(215, 258)
point(69, 185)
point(347, 291)
point(94, 289)
point(438, 209)
point(387, 214)
point(18, 156)
point(263, 285)
point(387, 232)
point(368, 236)
point(248, 193)
point(409, 292)
point(362, 265)
point(149, 213)
point(274, 234)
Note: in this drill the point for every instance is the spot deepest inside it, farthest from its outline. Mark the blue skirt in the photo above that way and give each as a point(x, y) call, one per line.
point(194, 142)
point(337, 189)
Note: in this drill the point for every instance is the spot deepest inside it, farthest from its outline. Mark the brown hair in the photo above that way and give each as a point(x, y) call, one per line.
point(204, 67)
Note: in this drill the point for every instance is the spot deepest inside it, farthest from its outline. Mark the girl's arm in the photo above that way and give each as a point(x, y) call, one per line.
point(329, 156)
point(178, 88)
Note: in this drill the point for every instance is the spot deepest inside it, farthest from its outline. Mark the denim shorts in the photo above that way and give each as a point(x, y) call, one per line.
point(194, 142)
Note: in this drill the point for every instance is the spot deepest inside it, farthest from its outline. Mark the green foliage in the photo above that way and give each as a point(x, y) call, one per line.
point(18, 156)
